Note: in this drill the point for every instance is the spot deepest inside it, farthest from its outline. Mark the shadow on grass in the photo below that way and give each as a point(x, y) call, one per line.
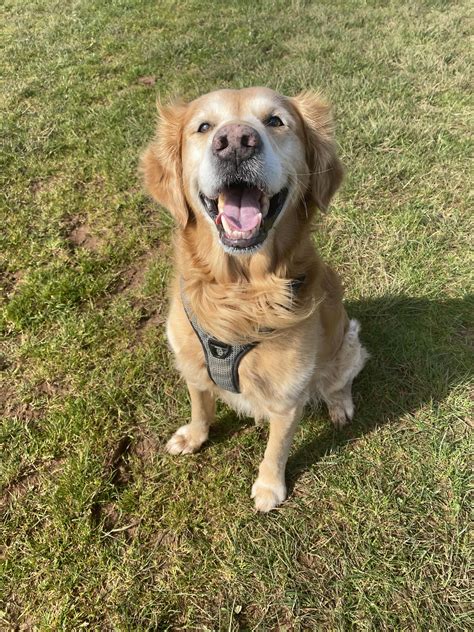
point(420, 350)
point(227, 425)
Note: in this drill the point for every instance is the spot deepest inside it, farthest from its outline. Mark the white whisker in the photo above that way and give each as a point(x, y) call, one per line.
point(313, 173)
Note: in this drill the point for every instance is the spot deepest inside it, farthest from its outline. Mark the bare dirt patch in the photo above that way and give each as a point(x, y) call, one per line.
point(118, 463)
point(5, 363)
point(13, 617)
point(27, 480)
point(44, 185)
point(31, 405)
point(9, 280)
point(145, 448)
point(81, 236)
point(149, 320)
point(130, 456)
point(152, 311)
point(133, 277)
point(147, 80)
point(96, 184)
point(10, 406)
point(51, 388)
point(26, 412)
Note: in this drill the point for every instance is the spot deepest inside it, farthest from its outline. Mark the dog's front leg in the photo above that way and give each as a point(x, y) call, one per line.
point(269, 490)
point(190, 437)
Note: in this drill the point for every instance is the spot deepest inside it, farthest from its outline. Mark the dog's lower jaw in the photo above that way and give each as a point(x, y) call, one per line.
point(239, 252)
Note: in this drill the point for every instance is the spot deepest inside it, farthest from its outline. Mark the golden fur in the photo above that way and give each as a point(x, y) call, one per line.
point(308, 347)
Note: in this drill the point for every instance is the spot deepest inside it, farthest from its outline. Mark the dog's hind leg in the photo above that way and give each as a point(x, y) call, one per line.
point(190, 437)
point(334, 384)
point(340, 406)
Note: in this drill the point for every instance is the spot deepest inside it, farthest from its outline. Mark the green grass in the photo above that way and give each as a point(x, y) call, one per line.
point(101, 529)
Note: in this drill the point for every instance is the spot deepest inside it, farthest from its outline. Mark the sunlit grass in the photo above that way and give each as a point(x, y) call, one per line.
point(101, 528)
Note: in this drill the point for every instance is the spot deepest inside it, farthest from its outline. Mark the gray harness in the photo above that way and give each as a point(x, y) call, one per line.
point(222, 360)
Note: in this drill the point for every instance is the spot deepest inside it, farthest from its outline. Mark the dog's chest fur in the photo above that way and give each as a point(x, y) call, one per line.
point(274, 375)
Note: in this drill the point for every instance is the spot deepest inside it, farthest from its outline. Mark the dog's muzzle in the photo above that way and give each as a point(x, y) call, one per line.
point(241, 206)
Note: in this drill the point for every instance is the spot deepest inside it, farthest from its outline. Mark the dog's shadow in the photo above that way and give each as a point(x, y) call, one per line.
point(420, 350)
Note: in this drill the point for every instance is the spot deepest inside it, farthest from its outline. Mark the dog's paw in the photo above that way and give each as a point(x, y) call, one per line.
point(339, 416)
point(186, 440)
point(268, 496)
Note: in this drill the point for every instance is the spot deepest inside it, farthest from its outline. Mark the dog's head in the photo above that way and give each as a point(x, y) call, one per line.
point(244, 160)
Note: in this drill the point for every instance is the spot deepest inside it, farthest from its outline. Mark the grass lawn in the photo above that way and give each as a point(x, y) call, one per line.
point(100, 528)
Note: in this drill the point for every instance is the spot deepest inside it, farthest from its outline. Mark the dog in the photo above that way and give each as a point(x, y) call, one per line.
point(256, 317)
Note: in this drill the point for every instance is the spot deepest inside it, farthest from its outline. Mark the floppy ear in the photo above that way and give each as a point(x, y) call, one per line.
point(161, 165)
point(326, 169)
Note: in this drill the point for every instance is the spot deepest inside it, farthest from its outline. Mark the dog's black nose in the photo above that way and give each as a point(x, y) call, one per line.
point(236, 142)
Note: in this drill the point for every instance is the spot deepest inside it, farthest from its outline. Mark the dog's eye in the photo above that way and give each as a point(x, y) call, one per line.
point(274, 121)
point(204, 127)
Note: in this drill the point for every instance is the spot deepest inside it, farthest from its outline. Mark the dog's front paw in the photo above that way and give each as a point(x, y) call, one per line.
point(267, 496)
point(186, 440)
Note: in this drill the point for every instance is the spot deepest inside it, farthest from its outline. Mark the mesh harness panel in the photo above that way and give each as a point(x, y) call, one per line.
point(222, 360)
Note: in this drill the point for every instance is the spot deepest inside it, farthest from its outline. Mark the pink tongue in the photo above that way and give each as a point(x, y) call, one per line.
point(242, 208)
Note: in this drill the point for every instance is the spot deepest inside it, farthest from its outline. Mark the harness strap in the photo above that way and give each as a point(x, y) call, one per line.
point(223, 360)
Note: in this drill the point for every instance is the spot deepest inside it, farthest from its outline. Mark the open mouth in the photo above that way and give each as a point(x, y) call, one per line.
point(244, 214)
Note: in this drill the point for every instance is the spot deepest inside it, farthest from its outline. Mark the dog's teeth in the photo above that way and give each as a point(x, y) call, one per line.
point(237, 234)
point(225, 224)
point(220, 202)
point(264, 205)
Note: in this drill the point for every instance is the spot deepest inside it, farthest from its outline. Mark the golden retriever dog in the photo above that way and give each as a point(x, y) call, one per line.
point(256, 317)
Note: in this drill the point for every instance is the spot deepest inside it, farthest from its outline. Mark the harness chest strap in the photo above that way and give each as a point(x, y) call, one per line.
point(222, 360)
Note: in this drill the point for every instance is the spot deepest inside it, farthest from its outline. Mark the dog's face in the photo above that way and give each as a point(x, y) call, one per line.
point(243, 160)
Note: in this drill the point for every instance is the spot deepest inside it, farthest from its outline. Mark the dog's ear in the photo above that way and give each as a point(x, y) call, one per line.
point(324, 165)
point(161, 164)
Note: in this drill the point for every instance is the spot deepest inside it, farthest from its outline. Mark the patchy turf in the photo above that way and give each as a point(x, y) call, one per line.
point(100, 528)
